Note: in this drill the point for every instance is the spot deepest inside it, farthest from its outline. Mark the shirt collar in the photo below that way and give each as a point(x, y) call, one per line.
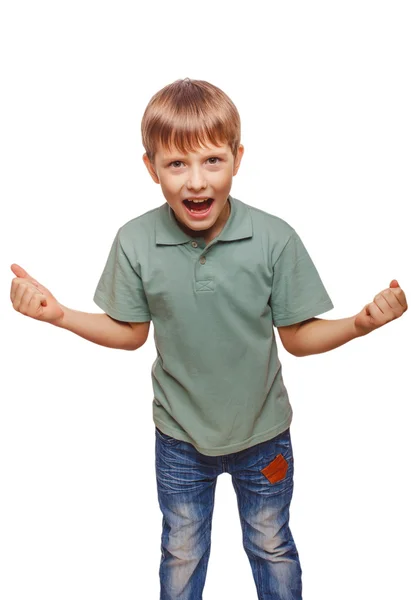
point(237, 227)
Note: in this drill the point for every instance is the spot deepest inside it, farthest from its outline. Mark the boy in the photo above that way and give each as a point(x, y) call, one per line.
point(214, 275)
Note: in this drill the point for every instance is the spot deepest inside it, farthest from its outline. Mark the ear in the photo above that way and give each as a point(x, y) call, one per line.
point(150, 168)
point(238, 158)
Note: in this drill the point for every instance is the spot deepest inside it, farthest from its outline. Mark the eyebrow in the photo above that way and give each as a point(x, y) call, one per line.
point(177, 156)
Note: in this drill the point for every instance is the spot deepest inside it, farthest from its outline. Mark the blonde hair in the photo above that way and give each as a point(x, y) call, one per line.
point(187, 114)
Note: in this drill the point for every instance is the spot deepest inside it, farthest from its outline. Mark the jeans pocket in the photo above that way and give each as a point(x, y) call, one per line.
point(276, 470)
point(167, 439)
point(279, 465)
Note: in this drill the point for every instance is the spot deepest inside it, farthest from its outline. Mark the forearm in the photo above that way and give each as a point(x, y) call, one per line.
point(321, 335)
point(98, 328)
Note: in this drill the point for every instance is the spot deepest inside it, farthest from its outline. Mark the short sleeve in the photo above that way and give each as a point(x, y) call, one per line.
point(120, 291)
point(297, 290)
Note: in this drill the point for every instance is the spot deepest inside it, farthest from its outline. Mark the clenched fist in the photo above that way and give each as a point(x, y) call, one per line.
point(388, 305)
point(32, 299)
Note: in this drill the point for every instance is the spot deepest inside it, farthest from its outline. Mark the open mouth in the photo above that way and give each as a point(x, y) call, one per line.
point(199, 208)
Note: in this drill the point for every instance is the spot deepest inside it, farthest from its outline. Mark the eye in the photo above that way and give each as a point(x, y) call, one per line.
point(177, 163)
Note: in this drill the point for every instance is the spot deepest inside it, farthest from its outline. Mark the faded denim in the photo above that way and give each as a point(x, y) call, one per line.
point(186, 483)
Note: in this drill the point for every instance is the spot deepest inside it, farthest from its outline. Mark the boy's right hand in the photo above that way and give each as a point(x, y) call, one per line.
point(32, 299)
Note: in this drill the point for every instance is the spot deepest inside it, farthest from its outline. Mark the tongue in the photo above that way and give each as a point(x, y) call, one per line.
point(198, 205)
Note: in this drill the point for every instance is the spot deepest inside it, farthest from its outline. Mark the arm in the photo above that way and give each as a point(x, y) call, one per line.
point(34, 300)
point(104, 330)
point(315, 336)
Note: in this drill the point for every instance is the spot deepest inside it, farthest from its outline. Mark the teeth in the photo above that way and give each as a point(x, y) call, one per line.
point(198, 201)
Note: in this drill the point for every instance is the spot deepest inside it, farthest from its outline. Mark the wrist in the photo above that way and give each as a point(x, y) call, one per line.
point(59, 321)
point(358, 330)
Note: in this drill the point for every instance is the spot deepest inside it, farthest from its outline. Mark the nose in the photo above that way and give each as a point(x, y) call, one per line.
point(196, 179)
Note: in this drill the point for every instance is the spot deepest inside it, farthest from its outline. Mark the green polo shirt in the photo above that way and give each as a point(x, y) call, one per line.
point(217, 378)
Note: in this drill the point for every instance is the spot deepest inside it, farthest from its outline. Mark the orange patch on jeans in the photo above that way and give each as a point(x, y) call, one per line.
point(276, 470)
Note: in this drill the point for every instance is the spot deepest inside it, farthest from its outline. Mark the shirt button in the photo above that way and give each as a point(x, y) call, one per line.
point(194, 244)
point(202, 260)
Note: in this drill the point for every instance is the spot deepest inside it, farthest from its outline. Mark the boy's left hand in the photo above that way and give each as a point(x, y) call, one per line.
point(388, 305)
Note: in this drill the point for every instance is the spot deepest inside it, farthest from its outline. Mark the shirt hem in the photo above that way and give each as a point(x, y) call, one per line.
point(119, 316)
point(232, 448)
point(307, 314)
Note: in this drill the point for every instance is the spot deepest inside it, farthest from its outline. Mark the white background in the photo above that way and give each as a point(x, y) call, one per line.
point(323, 90)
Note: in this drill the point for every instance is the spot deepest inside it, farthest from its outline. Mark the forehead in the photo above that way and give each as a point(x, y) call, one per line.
point(165, 153)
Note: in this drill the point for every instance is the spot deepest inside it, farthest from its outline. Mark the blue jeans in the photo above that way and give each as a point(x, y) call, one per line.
point(262, 477)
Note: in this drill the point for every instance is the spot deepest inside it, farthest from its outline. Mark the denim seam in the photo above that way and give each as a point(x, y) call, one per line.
point(244, 531)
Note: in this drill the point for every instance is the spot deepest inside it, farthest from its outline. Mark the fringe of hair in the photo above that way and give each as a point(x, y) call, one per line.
point(188, 114)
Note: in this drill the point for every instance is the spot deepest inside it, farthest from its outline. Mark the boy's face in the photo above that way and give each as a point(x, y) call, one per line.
point(206, 173)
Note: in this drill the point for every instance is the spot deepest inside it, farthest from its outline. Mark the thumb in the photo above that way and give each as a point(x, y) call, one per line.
point(394, 283)
point(20, 272)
